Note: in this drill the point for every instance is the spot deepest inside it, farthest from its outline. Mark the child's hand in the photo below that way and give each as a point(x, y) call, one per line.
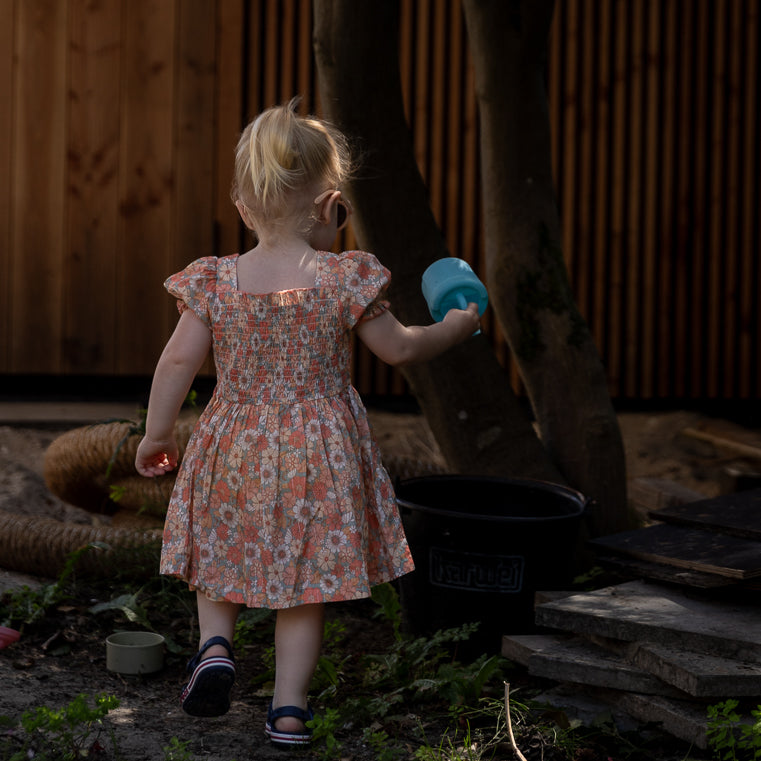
point(154, 458)
point(464, 322)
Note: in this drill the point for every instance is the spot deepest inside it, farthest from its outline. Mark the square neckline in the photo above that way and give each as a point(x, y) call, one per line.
point(316, 285)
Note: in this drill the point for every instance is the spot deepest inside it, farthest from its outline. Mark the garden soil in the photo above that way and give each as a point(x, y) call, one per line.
point(66, 655)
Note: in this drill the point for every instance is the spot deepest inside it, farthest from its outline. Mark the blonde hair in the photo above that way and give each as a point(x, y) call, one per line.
point(280, 155)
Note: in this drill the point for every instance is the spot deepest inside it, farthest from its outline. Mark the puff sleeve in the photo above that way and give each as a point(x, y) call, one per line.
point(366, 281)
point(193, 286)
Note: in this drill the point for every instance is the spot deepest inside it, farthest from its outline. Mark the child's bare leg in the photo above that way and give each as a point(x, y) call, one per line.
point(298, 640)
point(216, 618)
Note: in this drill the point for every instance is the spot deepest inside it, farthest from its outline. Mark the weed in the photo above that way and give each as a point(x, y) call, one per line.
point(380, 743)
point(66, 734)
point(450, 749)
point(389, 606)
point(27, 606)
point(250, 627)
point(137, 607)
point(324, 727)
point(412, 672)
point(421, 668)
point(729, 736)
point(177, 750)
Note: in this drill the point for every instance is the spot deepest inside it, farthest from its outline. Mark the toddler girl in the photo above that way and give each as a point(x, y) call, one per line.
point(281, 500)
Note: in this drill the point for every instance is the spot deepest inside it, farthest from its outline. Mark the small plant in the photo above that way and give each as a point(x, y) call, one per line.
point(158, 598)
point(390, 607)
point(731, 738)
point(128, 606)
point(380, 743)
point(253, 624)
point(421, 668)
point(450, 749)
point(65, 734)
point(324, 727)
point(27, 605)
point(177, 750)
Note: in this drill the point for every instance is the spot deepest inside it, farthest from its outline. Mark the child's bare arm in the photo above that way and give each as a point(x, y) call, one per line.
point(397, 344)
point(181, 359)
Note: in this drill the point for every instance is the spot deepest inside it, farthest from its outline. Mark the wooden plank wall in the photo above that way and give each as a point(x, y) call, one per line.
point(657, 162)
point(118, 119)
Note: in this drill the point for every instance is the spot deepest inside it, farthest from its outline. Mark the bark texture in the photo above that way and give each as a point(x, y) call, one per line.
point(465, 394)
point(526, 273)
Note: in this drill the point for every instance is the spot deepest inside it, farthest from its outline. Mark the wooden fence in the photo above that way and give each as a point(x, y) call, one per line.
point(118, 119)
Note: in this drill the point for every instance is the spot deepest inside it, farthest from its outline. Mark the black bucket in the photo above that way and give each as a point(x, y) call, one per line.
point(482, 547)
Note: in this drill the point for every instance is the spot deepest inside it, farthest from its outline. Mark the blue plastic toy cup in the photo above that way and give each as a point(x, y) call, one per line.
point(450, 283)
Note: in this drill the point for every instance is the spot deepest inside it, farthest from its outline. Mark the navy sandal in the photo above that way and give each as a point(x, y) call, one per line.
point(208, 691)
point(288, 739)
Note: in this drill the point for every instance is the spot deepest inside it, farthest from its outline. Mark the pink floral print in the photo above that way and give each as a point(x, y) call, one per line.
point(281, 498)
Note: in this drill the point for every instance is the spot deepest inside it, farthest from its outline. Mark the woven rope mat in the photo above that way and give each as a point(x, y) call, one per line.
point(40, 546)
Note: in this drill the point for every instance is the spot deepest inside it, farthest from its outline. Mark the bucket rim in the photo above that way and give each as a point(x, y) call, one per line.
point(549, 486)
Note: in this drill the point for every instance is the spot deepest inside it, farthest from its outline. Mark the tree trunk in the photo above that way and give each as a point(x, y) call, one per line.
point(465, 394)
point(526, 274)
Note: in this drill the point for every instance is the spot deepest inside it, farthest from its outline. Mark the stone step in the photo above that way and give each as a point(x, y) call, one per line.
point(699, 674)
point(642, 612)
point(573, 659)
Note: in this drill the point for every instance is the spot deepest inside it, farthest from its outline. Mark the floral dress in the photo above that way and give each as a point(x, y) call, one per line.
point(281, 498)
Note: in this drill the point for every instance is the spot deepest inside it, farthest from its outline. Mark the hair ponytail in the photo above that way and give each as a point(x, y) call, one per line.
point(280, 153)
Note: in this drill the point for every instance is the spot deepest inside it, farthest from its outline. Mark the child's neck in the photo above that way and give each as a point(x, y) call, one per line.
point(278, 265)
point(281, 243)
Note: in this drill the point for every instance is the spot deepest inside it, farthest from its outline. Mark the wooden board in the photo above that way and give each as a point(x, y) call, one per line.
point(728, 437)
point(634, 568)
point(690, 548)
point(733, 514)
point(648, 494)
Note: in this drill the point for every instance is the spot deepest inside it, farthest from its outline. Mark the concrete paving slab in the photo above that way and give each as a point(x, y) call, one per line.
point(682, 719)
point(571, 659)
point(700, 674)
point(639, 611)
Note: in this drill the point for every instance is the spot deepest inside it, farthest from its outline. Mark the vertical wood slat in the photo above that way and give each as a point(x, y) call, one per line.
point(599, 270)
point(683, 232)
point(654, 146)
point(7, 108)
point(92, 187)
point(652, 262)
point(146, 182)
point(716, 171)
point(228, 108)
point(667, 87)
point(194, 126)
point(194, 133)
point(750, 283)
point(703, 318)
point(38, 180)
point(732, 201)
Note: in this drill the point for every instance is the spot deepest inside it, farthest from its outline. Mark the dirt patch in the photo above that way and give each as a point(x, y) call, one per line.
point(65, 655)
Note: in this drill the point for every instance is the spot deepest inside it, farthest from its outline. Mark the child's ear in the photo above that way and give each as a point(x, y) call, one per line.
point(325, 204)
point(244, 215)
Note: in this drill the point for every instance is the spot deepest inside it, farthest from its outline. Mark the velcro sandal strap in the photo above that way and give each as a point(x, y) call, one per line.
point(292, 711)
point(196, 659)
